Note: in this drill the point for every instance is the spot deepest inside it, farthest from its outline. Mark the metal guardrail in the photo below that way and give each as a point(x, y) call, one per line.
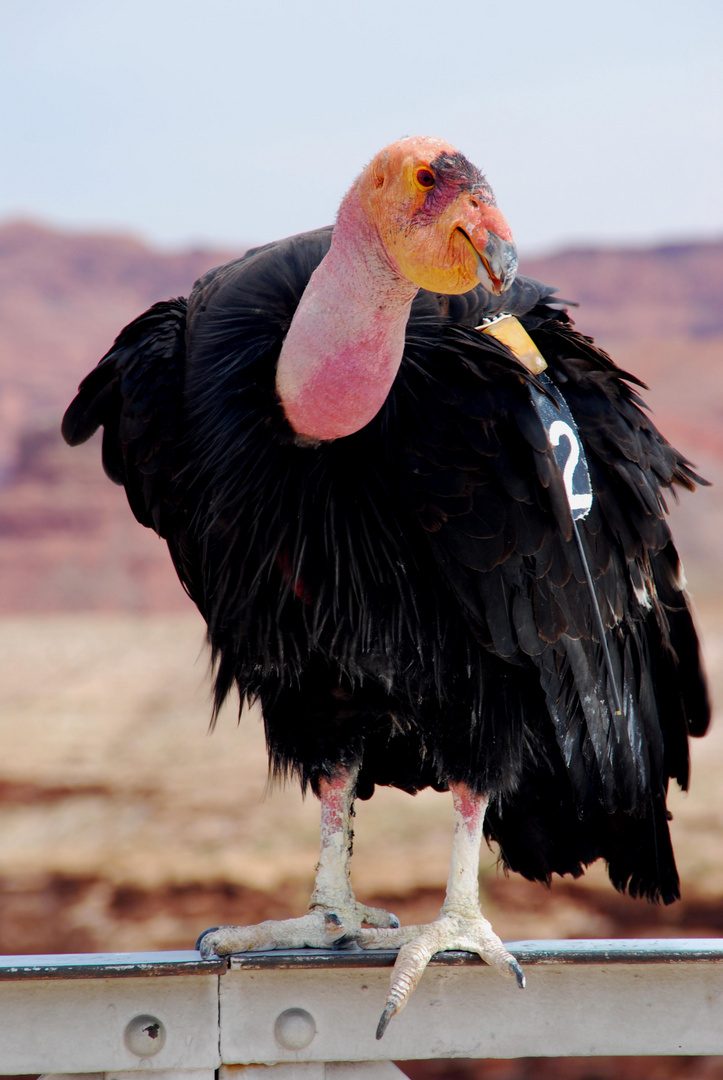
point(311, 1015)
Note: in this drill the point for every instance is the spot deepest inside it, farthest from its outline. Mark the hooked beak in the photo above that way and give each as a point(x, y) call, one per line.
point(497, 264)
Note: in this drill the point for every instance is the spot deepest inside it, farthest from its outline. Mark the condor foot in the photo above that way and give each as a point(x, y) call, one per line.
point(321, 928)
point(418, 944)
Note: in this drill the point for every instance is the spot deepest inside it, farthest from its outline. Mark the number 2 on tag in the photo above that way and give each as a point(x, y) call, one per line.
point(557, 431)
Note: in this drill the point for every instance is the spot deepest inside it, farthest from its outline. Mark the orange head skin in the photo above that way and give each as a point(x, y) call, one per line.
point(419, 216)
point(436, 217)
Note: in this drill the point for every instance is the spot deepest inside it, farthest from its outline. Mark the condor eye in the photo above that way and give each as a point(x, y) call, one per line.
point(424, 179)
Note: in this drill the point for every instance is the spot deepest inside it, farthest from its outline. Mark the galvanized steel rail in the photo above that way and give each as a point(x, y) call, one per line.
point(311, 1015)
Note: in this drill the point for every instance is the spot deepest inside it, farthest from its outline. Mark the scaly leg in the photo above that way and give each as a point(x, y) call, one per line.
point(334, 918)
point(460, 924)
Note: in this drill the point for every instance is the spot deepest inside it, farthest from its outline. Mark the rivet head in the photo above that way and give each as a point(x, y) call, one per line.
point(294, 1029)
point(145, 1035)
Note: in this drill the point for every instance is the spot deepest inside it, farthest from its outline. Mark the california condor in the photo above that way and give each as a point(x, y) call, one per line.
point(432, 542)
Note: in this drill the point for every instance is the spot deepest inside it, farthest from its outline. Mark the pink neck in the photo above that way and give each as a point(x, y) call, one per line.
point(345, 342)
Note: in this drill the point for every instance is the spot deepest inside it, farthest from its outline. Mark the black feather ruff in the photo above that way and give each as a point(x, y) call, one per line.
point(411, 598)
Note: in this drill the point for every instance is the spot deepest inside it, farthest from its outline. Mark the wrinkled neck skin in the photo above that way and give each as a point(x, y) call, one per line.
point(346, 340)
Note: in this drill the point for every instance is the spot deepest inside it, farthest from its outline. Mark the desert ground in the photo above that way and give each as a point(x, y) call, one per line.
point(126, 825)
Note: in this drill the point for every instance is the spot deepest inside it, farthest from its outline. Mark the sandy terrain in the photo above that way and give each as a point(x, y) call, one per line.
point(124, 825)
point(129, 826)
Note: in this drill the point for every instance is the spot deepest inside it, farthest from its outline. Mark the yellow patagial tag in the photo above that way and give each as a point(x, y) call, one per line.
point(511, 332)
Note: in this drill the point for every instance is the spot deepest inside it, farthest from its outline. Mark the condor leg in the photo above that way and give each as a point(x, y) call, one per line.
point(334, 917)
point(460, 925)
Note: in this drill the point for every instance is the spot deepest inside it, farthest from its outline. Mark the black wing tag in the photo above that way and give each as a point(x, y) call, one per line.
point(561, 429)
point(564, 440)
point(566, 445)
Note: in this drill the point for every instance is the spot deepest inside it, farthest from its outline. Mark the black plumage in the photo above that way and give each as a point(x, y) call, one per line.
point(411, 598)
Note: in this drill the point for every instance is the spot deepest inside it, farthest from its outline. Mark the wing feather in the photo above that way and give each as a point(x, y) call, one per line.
point(513, 551)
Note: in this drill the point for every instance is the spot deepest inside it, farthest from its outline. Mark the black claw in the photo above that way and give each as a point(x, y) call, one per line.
point(389, 1010)
point(394, 922)
point(332, 917)
point(518, 974)
point(200, 938)
point(347, 942)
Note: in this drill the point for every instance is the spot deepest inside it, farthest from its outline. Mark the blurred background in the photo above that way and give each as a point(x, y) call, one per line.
point(146, 142)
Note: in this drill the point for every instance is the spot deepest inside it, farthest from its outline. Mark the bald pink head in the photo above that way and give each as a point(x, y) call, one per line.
point(419, 216)
point(436, 216)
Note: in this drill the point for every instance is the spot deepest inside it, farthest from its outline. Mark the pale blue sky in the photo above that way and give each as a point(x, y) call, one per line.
point(222, 122)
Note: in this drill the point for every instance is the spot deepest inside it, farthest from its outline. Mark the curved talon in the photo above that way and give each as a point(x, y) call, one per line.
point(418, 944)
point(346, 943)
point(518, 973)
point(389, 1010)
point(378, 918)
point(205, 954)
point(211, 942)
